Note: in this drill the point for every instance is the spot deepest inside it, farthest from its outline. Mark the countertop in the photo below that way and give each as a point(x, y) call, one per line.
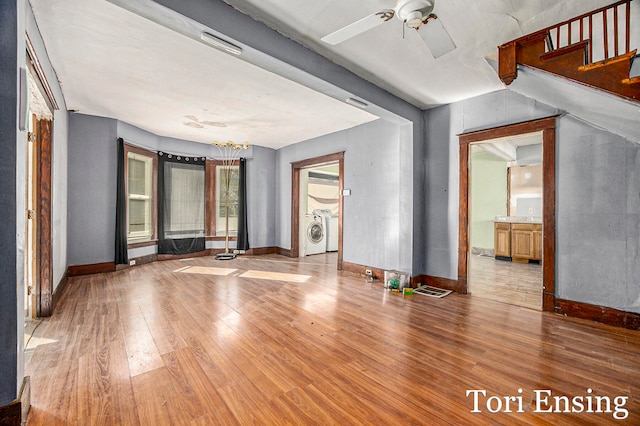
point(519, 219)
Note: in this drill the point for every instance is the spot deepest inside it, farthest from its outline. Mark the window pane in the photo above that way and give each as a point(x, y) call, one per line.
point(224, 174)
point(137, 176)
point(139, 215)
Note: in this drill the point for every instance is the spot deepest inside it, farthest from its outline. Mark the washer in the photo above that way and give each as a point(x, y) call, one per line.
point(315, 234)
point(331, 228)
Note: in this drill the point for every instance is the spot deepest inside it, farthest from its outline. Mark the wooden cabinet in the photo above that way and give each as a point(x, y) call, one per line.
point(502, 240)
point(518, 241)
point(521, 241)
point(537, 242)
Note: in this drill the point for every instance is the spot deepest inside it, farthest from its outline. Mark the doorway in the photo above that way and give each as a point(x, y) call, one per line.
point(546, 127)
point(317, 206)
point(505, 223)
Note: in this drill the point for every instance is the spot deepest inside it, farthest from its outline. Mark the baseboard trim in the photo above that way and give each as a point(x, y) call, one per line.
point(438, 282)
point(355, 268)
point(97, 268)
point(93, 268)
point(283, 251)
point(203, 253)
point(149, 258)
point(601, 314)
point(16, 413)
point(11, 414)
point(571, 308)
point(261, 250)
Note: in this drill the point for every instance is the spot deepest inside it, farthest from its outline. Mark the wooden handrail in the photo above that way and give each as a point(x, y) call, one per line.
point(585, 15)
point(615, 51)
point(550, 41)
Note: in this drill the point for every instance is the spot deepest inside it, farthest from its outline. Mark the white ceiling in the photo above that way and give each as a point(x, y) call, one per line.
point(404, 66)
point(114, 63)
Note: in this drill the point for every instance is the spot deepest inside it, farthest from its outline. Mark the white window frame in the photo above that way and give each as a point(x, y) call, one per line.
point(150, 159)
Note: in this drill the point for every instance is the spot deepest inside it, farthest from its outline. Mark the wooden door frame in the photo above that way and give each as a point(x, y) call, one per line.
point(43, 148)
point(44, 282)
point(296, 166)
point(548, 128)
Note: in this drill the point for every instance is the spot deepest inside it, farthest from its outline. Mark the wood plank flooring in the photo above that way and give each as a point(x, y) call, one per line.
point(188, 343)
point(508, 282)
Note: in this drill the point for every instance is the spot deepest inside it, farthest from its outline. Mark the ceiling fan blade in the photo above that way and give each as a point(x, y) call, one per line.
point(358, 27)
point(436, 37)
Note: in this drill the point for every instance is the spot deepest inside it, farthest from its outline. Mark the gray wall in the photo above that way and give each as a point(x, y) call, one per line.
point(8, 253)
point(598, 217)
point(261, 197)
point(442, 153)
point(268, 48)
point(260, 182)
point(92, 191)
point(376, 215)
point(374, 219)
point(598, 198)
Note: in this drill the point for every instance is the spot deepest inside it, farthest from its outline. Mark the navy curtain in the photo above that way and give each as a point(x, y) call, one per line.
point(242, 242)
point(181, 195)
point(121, 255)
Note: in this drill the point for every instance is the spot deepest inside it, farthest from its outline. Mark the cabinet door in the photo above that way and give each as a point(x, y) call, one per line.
point(502, 240)
point(537, 242)
point(521, 244)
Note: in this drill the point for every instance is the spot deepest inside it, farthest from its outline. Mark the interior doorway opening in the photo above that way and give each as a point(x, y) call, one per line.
point(319, 209)
point(505, 222)
point(546, 126)
point(316, 207)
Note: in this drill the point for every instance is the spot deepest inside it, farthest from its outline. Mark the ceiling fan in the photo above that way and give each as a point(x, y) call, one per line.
point(415, 14)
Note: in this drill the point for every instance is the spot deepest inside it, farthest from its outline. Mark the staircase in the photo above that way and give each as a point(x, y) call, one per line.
point(592, 49)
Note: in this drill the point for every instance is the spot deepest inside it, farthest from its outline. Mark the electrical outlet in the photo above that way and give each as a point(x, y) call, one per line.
point(368, 272)
point(132, 262)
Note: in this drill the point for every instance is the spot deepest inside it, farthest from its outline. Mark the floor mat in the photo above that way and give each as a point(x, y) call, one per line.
point(431, 291)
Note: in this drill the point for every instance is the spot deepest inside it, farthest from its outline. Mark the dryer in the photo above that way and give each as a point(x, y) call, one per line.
point(315, 234)
point(331, 228)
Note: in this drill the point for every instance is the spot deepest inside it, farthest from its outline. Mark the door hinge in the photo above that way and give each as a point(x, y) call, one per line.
point(31, 137)
point(31, 214)
point(29, 289)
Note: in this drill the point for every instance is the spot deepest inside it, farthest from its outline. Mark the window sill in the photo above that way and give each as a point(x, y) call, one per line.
point(145, 243)
point(220, 238)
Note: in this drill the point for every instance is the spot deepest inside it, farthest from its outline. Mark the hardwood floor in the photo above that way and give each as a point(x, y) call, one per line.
point(507, 282)
point(205, 342)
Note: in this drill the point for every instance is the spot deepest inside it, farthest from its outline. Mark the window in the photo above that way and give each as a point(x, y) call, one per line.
point(185, 201)
point(184, 214)
point(224, 175)
point(140, 194)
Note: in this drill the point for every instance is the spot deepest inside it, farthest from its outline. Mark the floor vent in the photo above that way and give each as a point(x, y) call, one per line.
point(431, 291)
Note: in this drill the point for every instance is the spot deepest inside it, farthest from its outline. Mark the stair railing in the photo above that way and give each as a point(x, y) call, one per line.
point(611, 24)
